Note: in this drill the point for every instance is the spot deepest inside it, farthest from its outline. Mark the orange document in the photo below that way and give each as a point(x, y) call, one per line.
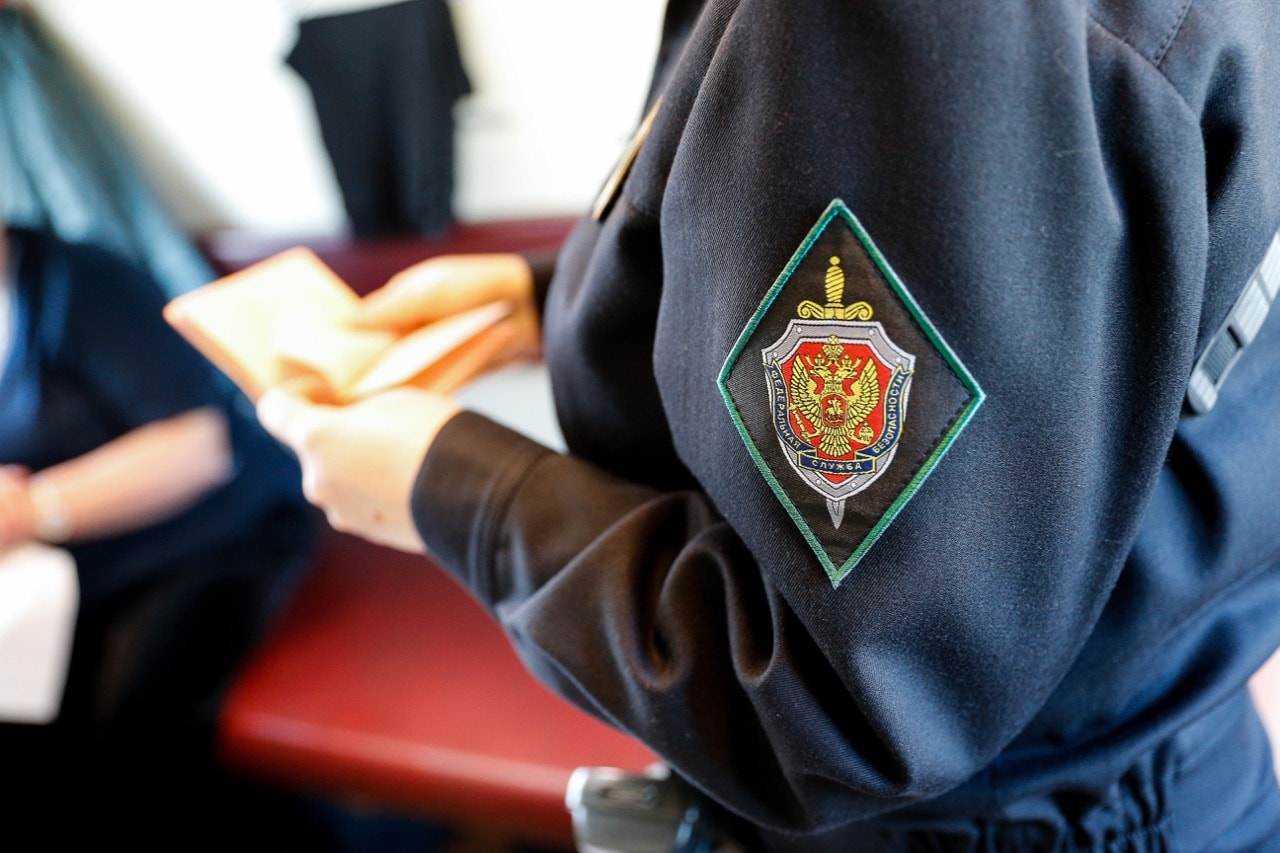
point(289, 316)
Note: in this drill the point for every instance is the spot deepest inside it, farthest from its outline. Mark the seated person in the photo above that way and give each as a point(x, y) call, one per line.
point(184, 519)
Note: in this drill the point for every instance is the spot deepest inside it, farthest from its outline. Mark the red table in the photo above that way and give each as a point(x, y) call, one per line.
point(386, 682)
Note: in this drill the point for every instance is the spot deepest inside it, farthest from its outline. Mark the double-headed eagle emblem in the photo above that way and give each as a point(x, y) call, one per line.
point(839, 392)
point(837, 412)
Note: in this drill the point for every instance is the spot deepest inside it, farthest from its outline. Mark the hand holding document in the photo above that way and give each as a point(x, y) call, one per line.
point(290, 316)
point(387, 362)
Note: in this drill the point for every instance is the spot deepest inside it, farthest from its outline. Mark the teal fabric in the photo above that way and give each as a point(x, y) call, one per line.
point(64, 167)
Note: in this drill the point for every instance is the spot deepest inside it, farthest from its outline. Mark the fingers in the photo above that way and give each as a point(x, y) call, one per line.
point(286, 413)
point(443, 286)
point(295, 421)
point(359, 461)
point(418, 294)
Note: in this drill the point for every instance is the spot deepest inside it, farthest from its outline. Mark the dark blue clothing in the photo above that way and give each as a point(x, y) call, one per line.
point(92, 359)
point(167, 613)
point(1040, 647)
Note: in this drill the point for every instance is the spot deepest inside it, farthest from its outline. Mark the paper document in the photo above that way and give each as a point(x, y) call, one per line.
point(39, 600)
point(289, 316)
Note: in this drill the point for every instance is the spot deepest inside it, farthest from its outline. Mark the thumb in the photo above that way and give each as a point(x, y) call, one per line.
point(414, 296)
point(286, 415)
point(445, 285)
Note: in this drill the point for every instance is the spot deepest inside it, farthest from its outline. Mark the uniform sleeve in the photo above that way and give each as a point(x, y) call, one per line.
point(116, 339)
point(646, 609)
point(1051, 200)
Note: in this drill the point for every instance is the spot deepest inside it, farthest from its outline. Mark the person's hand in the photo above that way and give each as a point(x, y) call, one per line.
point(359, 462)
point(442, 286)
point(17, 514)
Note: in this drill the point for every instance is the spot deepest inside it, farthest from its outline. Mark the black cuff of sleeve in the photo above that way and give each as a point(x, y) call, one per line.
point(463, 490)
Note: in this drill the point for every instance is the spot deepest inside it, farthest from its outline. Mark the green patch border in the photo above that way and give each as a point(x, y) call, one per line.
point(838, 209)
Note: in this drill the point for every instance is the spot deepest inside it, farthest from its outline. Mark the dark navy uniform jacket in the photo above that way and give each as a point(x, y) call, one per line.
point(1052, 206)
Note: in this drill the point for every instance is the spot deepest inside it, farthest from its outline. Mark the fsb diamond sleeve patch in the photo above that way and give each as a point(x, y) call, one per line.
point(844, 393)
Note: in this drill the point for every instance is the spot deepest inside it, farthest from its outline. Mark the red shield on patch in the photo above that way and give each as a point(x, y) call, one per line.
point(835, 398)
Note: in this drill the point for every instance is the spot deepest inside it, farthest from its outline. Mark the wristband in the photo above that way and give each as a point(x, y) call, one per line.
point(53, 522)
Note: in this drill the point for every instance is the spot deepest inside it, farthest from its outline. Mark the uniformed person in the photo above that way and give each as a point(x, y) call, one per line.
point(886, 520)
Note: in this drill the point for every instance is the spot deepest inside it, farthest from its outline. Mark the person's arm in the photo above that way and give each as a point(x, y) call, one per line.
point(103, 334)
point(17, 515)
point(1038, 185)
point(139, 479)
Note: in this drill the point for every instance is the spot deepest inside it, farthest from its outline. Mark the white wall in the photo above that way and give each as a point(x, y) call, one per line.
point(227, 133)
point(559, 86)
